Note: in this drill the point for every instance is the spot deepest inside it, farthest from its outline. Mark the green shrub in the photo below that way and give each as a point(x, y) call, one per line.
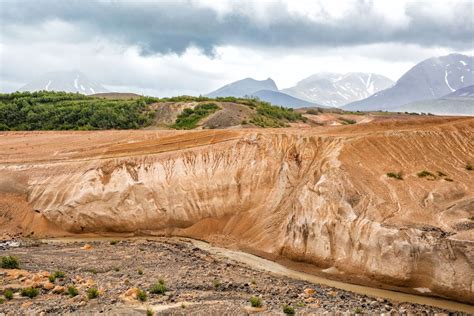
point(72, 291)
point(8, 294)
point(140, 271)
point(30, 292)
point(113, 242)
point(424, 174)
point(92, 293)
point(358, 310)
point(142, 296)
point(149, 312)
point(158, 288)
point(347, 121)
point(189, 118)
point(10, 262)
point(468, 167)
point(52, 278)
point(47, 110)
point(441, 174)
point(396, 175)
point(2, 300)
point(288, 310)
point(255, 301)
point(216, 284)
point(312, 111)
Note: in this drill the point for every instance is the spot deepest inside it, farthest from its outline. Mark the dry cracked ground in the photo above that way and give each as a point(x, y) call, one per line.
point(197, 282)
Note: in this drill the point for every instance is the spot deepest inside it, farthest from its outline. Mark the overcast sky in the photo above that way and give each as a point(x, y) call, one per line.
point(192, 47)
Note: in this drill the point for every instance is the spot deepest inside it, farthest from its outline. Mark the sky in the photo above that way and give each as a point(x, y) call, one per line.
point(165, 48)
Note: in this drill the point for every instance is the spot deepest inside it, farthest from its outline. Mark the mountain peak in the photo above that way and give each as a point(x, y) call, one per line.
point(428, 80)
point(68, 81)
point(244, 87)
point(336, 89)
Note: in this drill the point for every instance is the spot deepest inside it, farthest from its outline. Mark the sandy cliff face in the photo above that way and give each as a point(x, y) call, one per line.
point(319, 196)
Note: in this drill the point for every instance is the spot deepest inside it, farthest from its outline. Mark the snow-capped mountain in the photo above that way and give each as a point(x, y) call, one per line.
point(430, 79)
point(244, 87)
point(68, 81)
point(332, 89)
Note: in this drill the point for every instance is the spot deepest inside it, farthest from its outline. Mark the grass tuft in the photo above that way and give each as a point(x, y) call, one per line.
point(9, 262)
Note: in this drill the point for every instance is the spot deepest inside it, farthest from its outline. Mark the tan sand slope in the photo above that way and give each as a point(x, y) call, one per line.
point(319, 196)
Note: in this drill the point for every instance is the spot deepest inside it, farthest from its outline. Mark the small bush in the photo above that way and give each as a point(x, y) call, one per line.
point(113, 242)
point(10, 262)
point(448, 179)
point(29, 292)
point(288, 310)
point(158, 288)
point(346, 121)
point(2, 300)
point(142, 296)
point(255, 301)
point(469, 167)
point(312, 111)
point(149, 312)
point(441, 174)
point(424, 174)
point(72, 291)
point(52, 278)
point(8, 294)
point(358, 310)
point(140, 271)
point(92, 293)
point(56, 275)
point(216, 284)
point(116, 269)
point(395, 175)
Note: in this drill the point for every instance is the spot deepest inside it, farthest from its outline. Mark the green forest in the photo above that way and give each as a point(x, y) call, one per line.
point(47, 110)
point(71, 111)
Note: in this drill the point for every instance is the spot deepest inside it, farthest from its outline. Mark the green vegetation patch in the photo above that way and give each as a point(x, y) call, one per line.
point(273, 116)
point(288, 310)
point(46, 110)
point(346, 121)
point(9, 262)
point(425, 174)
point(189, 118)
point(92, 293)
point(30, 292)
point(468, 167)
point(395, 175)
point(158, 288)
point(255, 301)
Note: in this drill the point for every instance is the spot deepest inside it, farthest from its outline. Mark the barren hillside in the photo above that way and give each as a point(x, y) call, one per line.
point(320, 196)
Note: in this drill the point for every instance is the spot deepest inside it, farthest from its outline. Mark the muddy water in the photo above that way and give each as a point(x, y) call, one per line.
point(276, 268)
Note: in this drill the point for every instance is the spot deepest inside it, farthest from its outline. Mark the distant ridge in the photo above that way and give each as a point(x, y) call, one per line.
point(430, 79)
point(68, 81)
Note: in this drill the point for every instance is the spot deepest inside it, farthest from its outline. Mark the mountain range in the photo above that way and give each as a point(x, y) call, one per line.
point(438, 85)
point(432, 79)
point(69, 81)
point(333, 89)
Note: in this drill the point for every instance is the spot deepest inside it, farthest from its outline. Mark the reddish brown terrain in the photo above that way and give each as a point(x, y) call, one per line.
point(320, 196)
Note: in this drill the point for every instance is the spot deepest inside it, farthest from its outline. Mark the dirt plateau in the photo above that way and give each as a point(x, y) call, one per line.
point(316, 195)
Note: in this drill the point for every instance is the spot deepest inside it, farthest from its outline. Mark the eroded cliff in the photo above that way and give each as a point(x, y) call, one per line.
point(320, 196)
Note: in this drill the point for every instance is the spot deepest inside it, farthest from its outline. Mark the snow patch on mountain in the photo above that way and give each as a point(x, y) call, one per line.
point(68, 81)
point(332, 89)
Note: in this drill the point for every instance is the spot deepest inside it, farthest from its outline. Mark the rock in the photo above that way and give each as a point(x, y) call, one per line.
point(86, 247)
point(48, 286)
point(309, 291)
point(58, 289)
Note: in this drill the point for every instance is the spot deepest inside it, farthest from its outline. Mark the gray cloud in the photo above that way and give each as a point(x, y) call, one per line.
point(171, 27)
